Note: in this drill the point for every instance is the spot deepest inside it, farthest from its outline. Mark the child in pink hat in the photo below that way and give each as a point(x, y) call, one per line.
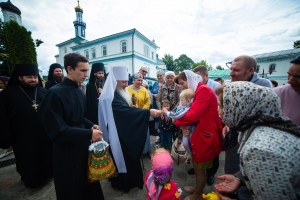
point(158, 180)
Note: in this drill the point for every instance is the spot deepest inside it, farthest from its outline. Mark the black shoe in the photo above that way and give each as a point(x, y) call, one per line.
point(210, 180)
point(191, 171)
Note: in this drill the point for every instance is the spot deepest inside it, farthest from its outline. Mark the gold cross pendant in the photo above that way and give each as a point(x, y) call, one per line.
point(35, 105)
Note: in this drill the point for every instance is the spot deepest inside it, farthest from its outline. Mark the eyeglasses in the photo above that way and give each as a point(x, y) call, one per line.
point(144, 71)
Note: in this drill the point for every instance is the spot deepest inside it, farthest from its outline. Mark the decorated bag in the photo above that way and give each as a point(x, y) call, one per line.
point(100, 163)
point(178, 151)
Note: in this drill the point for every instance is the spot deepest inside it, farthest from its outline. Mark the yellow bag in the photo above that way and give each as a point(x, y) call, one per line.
point(100, 163)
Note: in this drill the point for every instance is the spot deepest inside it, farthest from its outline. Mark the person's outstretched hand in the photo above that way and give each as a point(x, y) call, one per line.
point(155, 113)
point(228, 183)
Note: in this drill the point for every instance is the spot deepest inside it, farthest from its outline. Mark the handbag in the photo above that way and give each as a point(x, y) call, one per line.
point(178, 151)
point(100, 163)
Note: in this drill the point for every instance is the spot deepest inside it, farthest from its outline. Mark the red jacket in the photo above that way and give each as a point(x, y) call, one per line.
point(207, 137)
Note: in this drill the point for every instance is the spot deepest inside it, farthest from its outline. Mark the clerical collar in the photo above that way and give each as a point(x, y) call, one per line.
point(69, 82)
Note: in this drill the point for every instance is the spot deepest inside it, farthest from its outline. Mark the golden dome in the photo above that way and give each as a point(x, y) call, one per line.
point(78, 8)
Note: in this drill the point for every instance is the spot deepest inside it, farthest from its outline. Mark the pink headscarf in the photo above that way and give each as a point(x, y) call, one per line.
point(163, 162)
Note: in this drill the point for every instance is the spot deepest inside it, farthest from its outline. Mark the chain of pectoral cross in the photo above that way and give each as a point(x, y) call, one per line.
point(34, 104)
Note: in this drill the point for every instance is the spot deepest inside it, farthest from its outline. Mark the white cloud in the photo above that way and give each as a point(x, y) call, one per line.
point(215, 31)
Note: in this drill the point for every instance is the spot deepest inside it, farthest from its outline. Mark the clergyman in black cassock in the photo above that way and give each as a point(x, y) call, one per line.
point(54, 77)
point(62, 115)
point(21, 127)
point(93, 91)
point(125, 128)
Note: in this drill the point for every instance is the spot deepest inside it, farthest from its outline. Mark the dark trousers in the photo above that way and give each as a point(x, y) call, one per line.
point(212, 171)
point(165, 138)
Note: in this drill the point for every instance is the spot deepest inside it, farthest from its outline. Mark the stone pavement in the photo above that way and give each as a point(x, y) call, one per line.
point(12, 188)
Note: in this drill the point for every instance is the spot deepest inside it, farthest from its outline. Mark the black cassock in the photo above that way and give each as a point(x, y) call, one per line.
point(70, 132)
point(92, 103)
point(132, 127)
point(21, 128)
point(49, 84)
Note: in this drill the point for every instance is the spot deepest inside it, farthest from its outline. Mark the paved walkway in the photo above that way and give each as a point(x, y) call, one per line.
point(12, 188)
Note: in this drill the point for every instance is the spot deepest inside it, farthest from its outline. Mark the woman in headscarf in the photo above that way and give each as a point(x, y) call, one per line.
point(269, 142)
point(207, 137)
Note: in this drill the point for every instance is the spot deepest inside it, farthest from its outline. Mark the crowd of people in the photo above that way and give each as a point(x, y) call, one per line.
point(255, 122)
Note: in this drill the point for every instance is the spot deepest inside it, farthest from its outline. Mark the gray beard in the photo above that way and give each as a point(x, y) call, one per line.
point(125, 95)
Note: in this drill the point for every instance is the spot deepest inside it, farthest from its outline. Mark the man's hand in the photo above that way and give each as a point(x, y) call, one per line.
point(99, 90)
point(95, 126)
point(158, 130)
point(134, 106)
point(225, 131)
point(228, 183)
point(97, 135)
point(185, 131)
point(155, 113)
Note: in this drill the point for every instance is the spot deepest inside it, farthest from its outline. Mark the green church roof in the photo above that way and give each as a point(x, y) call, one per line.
point(219, 73)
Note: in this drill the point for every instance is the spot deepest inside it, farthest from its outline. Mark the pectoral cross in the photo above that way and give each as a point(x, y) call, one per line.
point(35, 105)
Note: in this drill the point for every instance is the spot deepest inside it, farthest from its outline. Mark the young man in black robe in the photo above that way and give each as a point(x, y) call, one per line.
point(125, 128)
point(62, 114)
point(21, 127)
point(93, 91)
point(55, 75)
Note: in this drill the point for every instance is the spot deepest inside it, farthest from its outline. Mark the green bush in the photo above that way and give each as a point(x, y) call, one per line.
point(19, 45)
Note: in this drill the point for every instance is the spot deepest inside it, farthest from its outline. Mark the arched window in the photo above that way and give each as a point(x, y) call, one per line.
point(104, 50)
point(123, 46)
point(66, 50)
point(257, 69)
point(272, 68)
point(146, 51)
point(86, 53)
point(93, 53)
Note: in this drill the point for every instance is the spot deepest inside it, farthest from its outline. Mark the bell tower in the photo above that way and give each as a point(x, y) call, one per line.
point(78, 23)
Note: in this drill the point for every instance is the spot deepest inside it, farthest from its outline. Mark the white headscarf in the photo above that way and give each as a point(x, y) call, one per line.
point(105, 114)
point(192, 79)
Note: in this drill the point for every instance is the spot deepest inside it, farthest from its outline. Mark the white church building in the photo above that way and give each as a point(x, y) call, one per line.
point(128, 48)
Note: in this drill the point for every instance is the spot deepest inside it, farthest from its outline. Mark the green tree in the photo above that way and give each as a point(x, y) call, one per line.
point(182, 62)
point(296, 44)
point(203, 63)
point(218, 67)
point(3, 55)
point(38, 42)
point(169, 61)
point(19, 45)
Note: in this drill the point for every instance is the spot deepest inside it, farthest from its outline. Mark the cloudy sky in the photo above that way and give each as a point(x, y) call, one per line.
point(211, 30)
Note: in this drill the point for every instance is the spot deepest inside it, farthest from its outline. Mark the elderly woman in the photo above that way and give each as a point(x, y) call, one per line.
point(207, 137)
point(155, 88)
point(142, 101)
point(269, 142)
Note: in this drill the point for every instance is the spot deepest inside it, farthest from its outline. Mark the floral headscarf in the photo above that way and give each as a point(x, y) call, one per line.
point(192, 79)
point(246, 104)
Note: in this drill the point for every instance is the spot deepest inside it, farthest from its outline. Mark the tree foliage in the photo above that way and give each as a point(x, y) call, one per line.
point(203, 63)
point(218, 67)
point(183, 62)
point(3, 55)
point(38, 42)
point(296, 44)
point(19, 45)
point(169, 61)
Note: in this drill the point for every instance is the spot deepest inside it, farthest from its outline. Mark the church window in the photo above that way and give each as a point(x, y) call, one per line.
point(257, 69)
point(124, 46)
point(272, 68)
point(152, 55)
point(146, 51)
point(66, 50)
point(104, 50)
point(86, 53)
point(93, 53)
